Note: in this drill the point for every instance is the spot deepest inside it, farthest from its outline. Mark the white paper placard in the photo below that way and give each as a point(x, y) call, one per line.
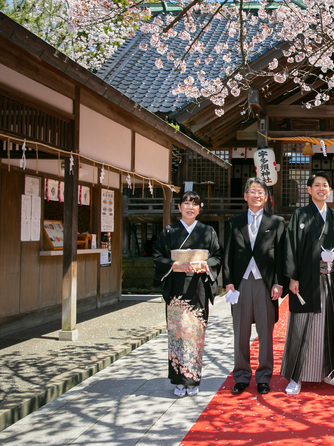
point(35, 207)
point(83, 195)
point(35, 229)
point(107, 210)
point(25, 229)
point(30, 218)
point(32, 186)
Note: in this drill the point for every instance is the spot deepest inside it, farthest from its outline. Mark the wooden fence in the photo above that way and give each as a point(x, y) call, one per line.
point(154, 206)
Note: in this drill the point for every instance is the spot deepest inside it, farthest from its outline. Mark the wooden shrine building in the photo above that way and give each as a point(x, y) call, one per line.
point(69, 144)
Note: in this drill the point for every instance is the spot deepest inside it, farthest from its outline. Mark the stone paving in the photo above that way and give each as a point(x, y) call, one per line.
point(131, 401)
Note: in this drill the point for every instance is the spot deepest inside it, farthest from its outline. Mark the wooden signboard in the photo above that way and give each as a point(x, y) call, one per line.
point(53, 234)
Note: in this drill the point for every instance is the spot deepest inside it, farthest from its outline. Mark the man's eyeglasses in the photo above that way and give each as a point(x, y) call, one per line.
point(257, 192)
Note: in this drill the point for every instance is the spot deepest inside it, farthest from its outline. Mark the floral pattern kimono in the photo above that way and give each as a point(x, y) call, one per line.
point(187, 297)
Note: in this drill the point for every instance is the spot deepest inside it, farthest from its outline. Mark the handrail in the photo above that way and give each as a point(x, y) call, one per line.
point(212, 205)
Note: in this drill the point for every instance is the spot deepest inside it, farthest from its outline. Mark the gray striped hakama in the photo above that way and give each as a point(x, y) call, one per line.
point(308, 350)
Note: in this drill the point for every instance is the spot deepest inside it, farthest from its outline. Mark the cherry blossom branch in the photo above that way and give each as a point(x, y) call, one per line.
point(203, 30)
point(180, 15)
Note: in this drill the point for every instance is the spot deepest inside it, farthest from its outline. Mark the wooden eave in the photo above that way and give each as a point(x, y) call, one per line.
point(29, 55)
point(284, 102)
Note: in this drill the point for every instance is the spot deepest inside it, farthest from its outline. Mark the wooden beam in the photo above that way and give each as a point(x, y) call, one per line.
point(256, 103)
point(300, 111)
point(293, 133)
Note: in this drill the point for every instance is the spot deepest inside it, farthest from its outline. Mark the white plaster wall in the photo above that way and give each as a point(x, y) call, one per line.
point(152, 159)
point(104, 140)
point(34, 89)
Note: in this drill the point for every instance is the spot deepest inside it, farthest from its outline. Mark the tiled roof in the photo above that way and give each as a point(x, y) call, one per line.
point(133, 71)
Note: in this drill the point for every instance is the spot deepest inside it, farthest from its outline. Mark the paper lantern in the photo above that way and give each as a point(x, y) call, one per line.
point(265, 166)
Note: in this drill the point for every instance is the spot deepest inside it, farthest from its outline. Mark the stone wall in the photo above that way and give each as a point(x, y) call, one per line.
point(138, 276)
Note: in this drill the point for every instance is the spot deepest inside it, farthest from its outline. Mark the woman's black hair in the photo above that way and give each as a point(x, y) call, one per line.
point(191, 196)
point(319, 173)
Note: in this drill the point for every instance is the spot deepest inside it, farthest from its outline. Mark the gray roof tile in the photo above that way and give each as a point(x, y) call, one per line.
point(133, 71)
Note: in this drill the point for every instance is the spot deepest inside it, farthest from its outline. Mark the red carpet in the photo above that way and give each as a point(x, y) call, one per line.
point(272, 419)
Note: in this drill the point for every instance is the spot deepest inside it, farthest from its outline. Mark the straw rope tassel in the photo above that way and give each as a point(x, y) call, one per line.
point(49, 149)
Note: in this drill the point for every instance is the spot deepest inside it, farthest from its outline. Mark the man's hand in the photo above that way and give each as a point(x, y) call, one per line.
point(294, 286)
point(229, 287)
point(276, 292)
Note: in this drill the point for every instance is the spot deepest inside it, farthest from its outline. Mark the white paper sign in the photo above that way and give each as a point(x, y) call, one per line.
point(35, 229)
point(107, 210)
point(25, 229)
point(36, 207)
point(32, 186)
point(30, 218)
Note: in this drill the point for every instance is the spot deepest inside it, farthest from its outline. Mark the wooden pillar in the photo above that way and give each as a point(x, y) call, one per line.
point(168, 194)
point(143, 237)
point(167, 204)
point(70, 277)
point(262, 127)
point(96, 228)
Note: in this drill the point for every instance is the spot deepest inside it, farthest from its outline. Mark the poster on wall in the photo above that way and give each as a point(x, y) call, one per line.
point(30, 218)
point(51, 190)
point(107, 210)
point(25, 218)
point(83, 195)
point(35, 233)
point(54, 232)
point(32, 186)
point(105, 258)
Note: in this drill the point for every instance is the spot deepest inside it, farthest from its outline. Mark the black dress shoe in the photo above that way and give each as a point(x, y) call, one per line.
point(263, 388)
point(239, 388)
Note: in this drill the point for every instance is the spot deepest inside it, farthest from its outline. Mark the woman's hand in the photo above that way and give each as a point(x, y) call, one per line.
point(186, 267)
point(202, 267)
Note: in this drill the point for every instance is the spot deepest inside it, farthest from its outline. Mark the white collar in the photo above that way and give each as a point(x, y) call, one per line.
point(323, 214)
point(189, 228)
point(260, 212)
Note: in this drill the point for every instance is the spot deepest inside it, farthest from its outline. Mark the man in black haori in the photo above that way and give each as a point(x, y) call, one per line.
point(187, 289)
point(309, 346)
point(253, 267)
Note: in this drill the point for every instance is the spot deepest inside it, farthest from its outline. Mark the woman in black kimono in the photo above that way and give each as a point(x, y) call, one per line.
point(309, 346)
point(187, 290)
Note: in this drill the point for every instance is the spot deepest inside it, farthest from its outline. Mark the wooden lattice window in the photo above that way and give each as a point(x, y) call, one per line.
point(24, 121)
point(202, 170)
point(296, 171)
